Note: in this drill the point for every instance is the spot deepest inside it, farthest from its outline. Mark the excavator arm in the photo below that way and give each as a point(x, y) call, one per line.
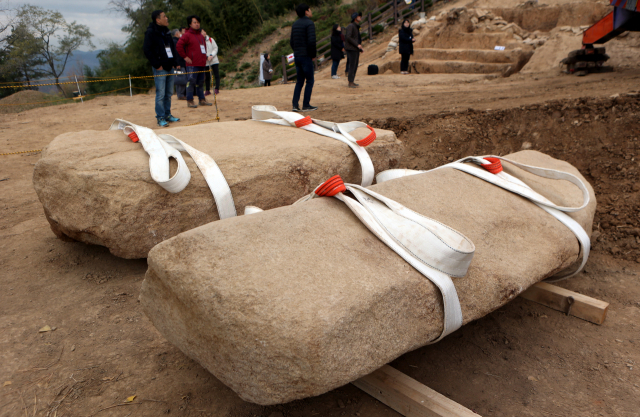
point(624, 17)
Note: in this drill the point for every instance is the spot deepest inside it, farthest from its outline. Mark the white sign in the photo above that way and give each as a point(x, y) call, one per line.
point(499, 48)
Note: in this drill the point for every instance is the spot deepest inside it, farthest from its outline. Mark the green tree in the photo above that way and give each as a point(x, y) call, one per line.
point(22, 55)
point(54, 40)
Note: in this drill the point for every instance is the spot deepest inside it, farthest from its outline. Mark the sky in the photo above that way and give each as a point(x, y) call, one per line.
point(105, 25)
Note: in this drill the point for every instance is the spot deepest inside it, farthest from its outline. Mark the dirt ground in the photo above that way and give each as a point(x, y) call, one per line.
point(521, 360)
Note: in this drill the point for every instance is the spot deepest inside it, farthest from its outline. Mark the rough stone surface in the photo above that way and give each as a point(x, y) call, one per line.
point(296, 301)
point(96, 188)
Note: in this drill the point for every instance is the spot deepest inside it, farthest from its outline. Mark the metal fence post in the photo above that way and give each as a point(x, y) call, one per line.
point(422, 6)
point(130, 89)
point(370, 28)
point(79, 92)
point(284, 69)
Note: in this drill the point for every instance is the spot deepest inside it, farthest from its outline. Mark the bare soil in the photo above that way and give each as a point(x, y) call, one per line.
point(521, 360)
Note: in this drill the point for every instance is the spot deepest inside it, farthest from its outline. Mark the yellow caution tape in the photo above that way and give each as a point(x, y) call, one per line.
point(15, 153)
point(98, 81)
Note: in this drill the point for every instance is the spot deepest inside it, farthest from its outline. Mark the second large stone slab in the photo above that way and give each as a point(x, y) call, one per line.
point(96, 188)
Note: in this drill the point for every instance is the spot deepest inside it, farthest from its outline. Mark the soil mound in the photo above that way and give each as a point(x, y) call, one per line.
point(23, 100)
point(26, 96)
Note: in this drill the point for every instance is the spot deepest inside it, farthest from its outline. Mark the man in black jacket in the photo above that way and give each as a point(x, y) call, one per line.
point(161, 52)
point(181, 89)
point(353, 46)
point(303, 43)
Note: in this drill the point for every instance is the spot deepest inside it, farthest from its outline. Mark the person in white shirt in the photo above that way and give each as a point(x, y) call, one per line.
point(213, 62)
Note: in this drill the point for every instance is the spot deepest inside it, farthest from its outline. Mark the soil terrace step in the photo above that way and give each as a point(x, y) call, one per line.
point(429, 66)
point(476, 55)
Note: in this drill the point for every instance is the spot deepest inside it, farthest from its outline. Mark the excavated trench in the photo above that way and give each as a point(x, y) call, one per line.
point(465, 39)
point(598, 136)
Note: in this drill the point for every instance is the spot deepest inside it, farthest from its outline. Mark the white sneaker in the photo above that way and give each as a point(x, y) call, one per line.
point(335, 77)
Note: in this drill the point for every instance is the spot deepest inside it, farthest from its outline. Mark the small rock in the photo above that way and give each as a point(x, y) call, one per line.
point(526, 145)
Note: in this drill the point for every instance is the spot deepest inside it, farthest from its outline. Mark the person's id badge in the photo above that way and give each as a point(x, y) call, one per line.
point(168, 49)
point(204, 51)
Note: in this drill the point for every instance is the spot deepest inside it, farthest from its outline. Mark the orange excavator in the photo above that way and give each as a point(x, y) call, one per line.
point(624, 17)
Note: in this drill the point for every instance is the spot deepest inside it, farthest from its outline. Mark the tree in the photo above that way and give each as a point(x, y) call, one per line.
point(53, 39)
point(6, 20)
point(22, 55)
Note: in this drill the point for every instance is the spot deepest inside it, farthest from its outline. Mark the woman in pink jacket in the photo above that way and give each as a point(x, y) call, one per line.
point(193, 49)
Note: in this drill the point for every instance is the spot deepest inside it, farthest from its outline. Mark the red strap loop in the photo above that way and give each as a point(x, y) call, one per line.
point(331, 187)
point(494, 167)
point(303, 122)
point(134, 137)
point(369, 139)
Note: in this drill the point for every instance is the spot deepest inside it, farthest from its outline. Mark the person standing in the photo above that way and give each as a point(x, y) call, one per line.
point(337, 50)
point(181, 90)
point(159, 49)
point(303, 43)
point(193, 49)
point(353, 46)
point(213, 63)
point(267, 70)
point(406, 40)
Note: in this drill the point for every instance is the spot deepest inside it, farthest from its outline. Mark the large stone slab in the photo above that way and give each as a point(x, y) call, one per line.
point(296, 301)
point(96, 188)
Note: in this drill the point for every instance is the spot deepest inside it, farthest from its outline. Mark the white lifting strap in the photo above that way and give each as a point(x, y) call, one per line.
point(339, 131)
point(513, 184)
point(162, 147)
point(437, 251)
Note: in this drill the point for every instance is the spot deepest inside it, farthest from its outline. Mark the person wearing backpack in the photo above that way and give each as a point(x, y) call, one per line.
point(406, 40)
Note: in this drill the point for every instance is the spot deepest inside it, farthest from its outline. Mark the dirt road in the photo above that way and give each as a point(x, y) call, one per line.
point(521, 360)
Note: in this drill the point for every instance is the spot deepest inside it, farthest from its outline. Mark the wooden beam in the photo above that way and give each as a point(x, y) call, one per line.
point(409, 397)
point(569, 302)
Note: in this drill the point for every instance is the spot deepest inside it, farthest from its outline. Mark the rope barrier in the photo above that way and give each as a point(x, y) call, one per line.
point(67, 99)
point(36, 102)
point(106, 92)
point(15, 153)
point(99, 81)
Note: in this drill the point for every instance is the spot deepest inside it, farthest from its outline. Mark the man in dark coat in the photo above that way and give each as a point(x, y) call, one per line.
point(181, 90)
point(353, 46)
point(193, 49)
point(303, 43)
point(160, 51)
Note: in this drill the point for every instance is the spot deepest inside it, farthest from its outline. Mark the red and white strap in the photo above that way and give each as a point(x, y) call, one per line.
point(339, 131)
point(494, 174)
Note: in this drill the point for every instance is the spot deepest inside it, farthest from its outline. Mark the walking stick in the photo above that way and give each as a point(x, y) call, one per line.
point(215, 100)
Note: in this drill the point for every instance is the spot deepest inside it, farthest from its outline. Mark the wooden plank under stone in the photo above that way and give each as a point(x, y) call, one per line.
point(570, 302)
point(408, 396)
